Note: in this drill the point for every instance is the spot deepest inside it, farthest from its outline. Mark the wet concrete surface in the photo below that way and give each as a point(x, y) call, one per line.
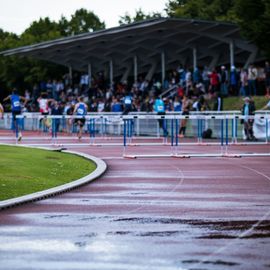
point(165, 213)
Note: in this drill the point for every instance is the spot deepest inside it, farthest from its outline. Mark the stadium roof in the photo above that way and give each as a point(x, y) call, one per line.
point(146, 40)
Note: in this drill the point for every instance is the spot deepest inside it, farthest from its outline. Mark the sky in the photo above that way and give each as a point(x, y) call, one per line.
point(17, 15)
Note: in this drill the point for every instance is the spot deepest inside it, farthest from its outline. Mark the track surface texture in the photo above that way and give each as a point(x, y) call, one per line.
point(154, 213)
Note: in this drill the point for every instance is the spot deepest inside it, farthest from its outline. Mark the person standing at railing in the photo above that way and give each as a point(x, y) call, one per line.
point(217, 102)
point(267, 78)
point(252, 80)
point(1, 111)
point(16, 109)
point(248, 110)
point(159, 108)
point(224, 79)
point(57, 109)
point(214, 82)
point(80, 110)
point(186, 104)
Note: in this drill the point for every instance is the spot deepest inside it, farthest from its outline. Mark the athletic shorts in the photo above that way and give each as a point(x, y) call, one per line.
point(14, 114)
point(79, 121)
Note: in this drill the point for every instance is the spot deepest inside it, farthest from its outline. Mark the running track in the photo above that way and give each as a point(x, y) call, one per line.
point(164, 213)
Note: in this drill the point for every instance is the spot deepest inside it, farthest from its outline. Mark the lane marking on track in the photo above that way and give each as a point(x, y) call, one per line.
point(243, 234)
point(181, 178)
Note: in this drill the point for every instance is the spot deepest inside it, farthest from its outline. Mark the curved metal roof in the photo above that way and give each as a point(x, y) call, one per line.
point(146, 40)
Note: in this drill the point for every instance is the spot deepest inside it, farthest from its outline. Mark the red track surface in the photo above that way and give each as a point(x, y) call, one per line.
point(154, 213)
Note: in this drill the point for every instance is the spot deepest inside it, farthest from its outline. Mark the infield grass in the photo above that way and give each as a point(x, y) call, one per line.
point(27, 170)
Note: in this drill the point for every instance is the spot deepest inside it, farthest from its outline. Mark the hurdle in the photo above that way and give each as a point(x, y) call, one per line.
point(104, 123)
point(224, 135)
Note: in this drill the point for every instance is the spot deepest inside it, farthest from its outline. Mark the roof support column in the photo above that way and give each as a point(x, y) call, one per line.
point(151, 71)
point(162, 67)
point(194, 58)
point(89, 75)
point(111, 73)
point(231, 53)
point(214, 61)
point(251, 58)
point(125, 75)
point(135, 61)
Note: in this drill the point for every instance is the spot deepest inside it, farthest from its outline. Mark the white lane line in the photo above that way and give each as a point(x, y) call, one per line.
point(180, 182)
point(243, 234)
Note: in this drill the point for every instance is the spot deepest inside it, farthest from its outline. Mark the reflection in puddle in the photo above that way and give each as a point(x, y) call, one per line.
point(38, 245)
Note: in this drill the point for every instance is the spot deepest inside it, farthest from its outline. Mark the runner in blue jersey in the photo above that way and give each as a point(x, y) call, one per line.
point(16, 109)
point(80, 110)
point(159, 108)
point(127, 103)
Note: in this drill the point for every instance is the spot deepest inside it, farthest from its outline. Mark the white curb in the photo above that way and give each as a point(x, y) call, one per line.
point(101, 168)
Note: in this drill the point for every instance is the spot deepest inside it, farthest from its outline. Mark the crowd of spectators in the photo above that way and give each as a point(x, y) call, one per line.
point(199, 85)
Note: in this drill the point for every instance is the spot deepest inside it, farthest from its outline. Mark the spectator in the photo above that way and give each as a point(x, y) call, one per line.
point(196, 76)
point(186, 104)
point(214, 81)
point(1, 111)
point(233, 81)
point(177, 104)
point(56, 109)
point(267, 78)
point(218, 102)
point(252, 77)
point(248, 110)
point(224, 78)
point(117, 106)
point(127, 103)
point(159, 108)
point(69, 110)
point(205, 78)
point(243, 82)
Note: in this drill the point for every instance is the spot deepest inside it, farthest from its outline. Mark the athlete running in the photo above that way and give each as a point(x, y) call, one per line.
point(44, 102)
point(16, 109)
point(80, 110)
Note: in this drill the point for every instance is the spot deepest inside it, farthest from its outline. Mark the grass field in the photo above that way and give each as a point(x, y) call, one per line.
point(236, 103)
point(25, 170)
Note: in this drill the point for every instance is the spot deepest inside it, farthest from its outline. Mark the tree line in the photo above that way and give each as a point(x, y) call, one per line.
point(253, 18)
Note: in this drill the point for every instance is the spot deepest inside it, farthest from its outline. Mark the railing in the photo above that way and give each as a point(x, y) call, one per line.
point(164, 94)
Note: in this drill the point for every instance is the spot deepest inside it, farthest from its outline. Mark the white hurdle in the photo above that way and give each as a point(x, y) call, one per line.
point(126, 125)
point(224, 131)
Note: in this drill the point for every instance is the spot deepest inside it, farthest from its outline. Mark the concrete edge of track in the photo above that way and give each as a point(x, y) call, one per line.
point(101, 168)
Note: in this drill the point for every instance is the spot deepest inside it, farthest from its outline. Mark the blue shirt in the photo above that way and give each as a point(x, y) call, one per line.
point(15, 103)
point(128, 100)
point(117, 107)
point(159, 105)
point(81, 110)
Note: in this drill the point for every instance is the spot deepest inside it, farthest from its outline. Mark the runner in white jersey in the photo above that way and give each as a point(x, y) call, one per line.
point(44, 108)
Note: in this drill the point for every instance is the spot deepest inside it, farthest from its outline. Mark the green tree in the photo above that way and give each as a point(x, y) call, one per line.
point(84, 21)
point(139, 16)
point(254, 20)
point(214, 10)
point(24, 72)
point(41, 30)
point(253, 17)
